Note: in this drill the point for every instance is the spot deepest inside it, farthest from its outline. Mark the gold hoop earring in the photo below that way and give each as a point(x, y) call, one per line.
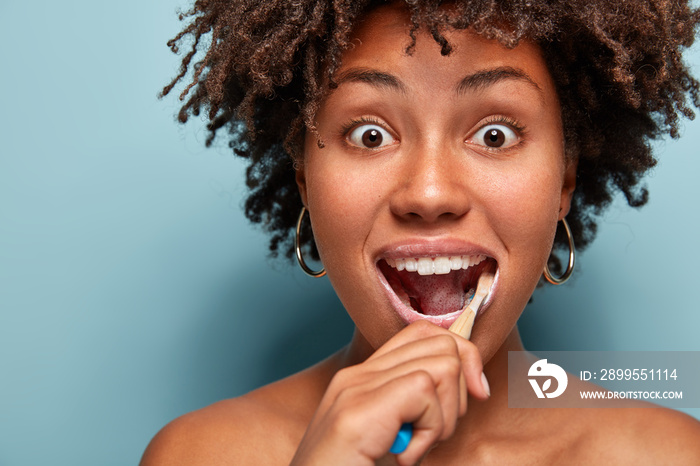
point(297, 249)
point(572, 260)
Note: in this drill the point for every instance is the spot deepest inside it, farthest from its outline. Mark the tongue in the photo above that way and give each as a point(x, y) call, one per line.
point(434, 295)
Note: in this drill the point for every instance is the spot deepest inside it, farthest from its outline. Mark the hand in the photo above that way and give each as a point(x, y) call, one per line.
point(421, 375)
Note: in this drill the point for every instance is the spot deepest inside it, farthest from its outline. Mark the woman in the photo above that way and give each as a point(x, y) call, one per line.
point(422, 136)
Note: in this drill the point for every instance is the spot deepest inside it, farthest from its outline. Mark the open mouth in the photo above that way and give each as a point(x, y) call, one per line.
point(435, 286)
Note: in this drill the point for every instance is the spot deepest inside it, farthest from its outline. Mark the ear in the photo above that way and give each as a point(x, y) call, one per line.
point(300, 177)
point(568, 187)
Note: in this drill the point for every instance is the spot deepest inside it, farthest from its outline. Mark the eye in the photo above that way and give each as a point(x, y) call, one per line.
point(370, 136)
point(495, 136)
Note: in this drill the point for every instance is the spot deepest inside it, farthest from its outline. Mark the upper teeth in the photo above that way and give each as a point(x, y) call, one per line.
point(435, 265)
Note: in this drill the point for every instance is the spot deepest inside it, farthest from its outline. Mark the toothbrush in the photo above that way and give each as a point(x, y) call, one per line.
point(463, 327)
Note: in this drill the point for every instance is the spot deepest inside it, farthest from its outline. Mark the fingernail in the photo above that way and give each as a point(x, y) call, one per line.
point(485, 384)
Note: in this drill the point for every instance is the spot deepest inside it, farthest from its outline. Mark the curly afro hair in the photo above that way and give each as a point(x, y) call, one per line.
point(267, 65)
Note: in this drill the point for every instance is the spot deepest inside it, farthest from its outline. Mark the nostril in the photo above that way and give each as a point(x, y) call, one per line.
point(425, 203)
point(448, 215)
point(425, 216)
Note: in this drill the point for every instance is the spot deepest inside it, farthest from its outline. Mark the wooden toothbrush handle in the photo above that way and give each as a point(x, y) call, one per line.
point(463, 325)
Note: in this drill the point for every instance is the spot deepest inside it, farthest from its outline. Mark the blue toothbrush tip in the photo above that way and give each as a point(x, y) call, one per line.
point(403, 438)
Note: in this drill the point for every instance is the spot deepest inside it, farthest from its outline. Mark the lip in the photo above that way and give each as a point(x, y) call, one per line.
point(422, 247)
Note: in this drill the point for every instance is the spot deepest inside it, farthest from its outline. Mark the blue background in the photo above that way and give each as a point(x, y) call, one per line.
point(132, 289)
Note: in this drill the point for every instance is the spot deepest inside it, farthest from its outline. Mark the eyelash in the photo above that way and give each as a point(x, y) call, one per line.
point(504, 120)
point(512, 123)
point(345, 129)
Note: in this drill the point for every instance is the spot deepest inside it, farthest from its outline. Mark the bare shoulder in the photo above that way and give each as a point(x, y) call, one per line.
point(642, 435)
point(262, 427)
point(666, 435)
point(234, 431)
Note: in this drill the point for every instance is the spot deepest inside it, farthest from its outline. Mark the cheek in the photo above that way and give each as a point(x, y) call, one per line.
point(342, 203)
point(525, 206)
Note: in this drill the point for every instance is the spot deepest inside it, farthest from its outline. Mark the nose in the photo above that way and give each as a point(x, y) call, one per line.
point(432, 185)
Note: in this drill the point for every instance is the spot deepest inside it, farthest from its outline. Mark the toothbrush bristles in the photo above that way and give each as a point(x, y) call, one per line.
point(464, 323)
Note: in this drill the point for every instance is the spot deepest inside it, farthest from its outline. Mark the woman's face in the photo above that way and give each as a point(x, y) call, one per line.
point(426, 159)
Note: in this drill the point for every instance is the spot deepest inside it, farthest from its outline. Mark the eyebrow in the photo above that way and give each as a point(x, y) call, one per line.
point(485, 78)
point(472, 82)
point(374, 77)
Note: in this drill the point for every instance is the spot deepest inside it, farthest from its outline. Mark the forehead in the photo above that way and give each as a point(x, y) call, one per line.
point(381, 39)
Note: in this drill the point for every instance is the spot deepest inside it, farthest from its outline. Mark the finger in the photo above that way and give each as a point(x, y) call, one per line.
point(473, 367)
point(435, 340)
point(414, 332)
point(443, 343)
point(420, 405)
point(447, 378)
point(462, 395)
point(367, 421)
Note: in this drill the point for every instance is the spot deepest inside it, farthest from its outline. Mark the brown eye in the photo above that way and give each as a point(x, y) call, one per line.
point(496, 136)
point(370, 137)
